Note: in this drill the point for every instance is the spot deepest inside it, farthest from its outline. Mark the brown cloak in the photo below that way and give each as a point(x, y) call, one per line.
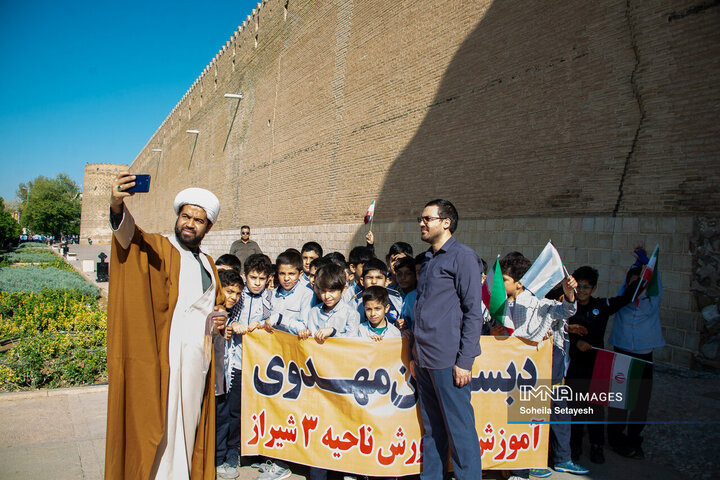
point(143, 291)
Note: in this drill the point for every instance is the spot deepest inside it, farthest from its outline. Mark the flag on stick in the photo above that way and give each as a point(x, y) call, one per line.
point(545, 273)
point(495, 297)
point(616, 379)
point(370, 212)
point(649, 278)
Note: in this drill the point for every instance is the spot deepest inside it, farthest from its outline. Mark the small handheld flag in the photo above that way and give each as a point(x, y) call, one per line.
point(370, 212)
point(616, 379)
point(495, 296)
point(648, 278)
point(546, 272)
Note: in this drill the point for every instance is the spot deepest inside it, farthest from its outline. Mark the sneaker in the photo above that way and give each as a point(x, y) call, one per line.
point(540, 472)
point(570, 467)
point(273, 471)
point(596, 454)
point(229, 473)
point(515, 477)
point(221, 469)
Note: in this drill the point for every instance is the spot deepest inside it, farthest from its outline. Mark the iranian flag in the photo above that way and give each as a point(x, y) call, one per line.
point(370, 212)
point(649, 277)
point(616, 379)
point(495, 297)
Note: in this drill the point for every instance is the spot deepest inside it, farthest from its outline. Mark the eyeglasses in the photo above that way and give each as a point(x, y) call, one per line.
point(427, 219)
point(584, 287)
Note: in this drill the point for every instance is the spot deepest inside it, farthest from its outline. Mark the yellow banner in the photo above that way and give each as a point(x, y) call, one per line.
point(349, 404)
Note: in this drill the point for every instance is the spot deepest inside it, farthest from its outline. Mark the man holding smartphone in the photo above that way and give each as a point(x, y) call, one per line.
point(159, 350)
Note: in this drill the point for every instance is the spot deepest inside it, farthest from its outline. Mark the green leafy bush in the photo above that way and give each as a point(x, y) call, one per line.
point(58, 338)
point(30, 257)
point(34, 278)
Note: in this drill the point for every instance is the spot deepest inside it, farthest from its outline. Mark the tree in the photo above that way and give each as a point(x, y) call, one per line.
point(9, 228)
point(50, 206)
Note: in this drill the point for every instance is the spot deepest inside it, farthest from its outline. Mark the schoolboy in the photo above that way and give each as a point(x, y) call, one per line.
point(227, 386)
point(534, 319)
point(291, 300)
point(227, 261)
point(397, 250)
point(258, 308)
point(357, 258)
point(407, 281)
point(333, 317)
point(309, 252)
point(636, 332)
point(376, 304)
point(587, 330)
point(374, 273)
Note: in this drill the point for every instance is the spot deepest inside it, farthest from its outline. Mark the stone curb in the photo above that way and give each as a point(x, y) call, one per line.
point(12, 396)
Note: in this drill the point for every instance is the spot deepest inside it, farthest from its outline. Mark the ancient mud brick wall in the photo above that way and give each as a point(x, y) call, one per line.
point(591, 123)
point(97, 181)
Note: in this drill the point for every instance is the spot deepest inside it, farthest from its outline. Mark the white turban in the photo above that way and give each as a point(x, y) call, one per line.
point(204, 199)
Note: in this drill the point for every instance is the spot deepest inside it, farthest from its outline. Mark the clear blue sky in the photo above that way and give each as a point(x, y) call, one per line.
point(90, 81)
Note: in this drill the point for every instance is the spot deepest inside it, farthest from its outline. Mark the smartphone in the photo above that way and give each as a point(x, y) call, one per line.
point(142, 184)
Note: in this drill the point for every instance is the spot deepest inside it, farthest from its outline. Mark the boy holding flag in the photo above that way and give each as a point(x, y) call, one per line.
point(636, 332)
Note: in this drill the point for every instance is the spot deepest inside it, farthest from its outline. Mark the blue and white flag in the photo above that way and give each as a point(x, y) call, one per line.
point(545, 273)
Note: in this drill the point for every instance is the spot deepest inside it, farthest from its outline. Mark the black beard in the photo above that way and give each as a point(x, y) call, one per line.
point(189, 244)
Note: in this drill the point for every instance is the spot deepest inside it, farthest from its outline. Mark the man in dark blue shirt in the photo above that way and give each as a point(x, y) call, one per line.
point(448, 323)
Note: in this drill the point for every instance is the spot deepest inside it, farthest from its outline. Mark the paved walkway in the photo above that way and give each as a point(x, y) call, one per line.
point(60, 434)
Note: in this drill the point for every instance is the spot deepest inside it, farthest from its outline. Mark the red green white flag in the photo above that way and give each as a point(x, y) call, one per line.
point(370, 212)
point(649, 277)
point(495, 297)
point(616, 379)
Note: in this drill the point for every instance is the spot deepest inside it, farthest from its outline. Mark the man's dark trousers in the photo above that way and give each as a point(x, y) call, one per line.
point(449, 422)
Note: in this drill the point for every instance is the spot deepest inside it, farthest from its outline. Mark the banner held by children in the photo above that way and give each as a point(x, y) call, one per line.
point(350, 405)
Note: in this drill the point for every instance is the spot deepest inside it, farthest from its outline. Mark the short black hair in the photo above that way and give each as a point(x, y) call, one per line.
point(229, 260)
point(258, 262)
point(375, 264)
point(245, 226)
point(408, 262)
point(376, 293)
point(514, 265)
point(290, 257)
point(586, 273)
point(445, 210)
point(337, 258)
point(400, 247)
point(230, 277)
point(330, 277)
point(420, 258)
point(484, 265)
point(295, 250)
point(634, 270)
point(360, 255)
point(321, 262)
point(312, 247)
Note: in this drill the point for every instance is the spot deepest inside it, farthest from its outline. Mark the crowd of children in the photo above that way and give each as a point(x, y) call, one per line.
point(310, 294)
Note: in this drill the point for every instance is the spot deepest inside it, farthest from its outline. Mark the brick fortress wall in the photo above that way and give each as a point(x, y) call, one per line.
point(591, 123)
point(97, 180)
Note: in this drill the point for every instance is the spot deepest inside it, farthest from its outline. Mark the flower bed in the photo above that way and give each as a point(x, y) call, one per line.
point(52, 331)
